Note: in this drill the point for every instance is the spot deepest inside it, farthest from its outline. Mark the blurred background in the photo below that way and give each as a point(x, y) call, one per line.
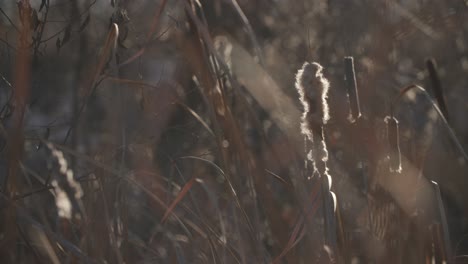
point(169, 132)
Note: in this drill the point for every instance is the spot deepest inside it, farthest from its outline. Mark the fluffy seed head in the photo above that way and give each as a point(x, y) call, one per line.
point(313, 93)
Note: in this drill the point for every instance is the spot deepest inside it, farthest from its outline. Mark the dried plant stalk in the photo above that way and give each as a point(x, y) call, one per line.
point(394, 141)
point(351, 85)
point(313, 91)
point(443, 237)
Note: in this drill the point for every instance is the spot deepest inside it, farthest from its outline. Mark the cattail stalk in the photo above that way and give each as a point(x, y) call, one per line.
point(313, 92)
point(394, 142)
point(351, 85)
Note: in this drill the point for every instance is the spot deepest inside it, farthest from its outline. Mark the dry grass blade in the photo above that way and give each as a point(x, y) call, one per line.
point(198, 117)
point(108, 49)
point(156, 199)
point(307, 215)
point(207, 235)
point(296, 237)
point(445, 236)
point(132, 82)
point(25, 218)
point(226, 127)
point(228, 180)
point(184, 222)
point(15, 144)
point(154, 23)
point(437, 87)
point(149, 34)
point(106, 55)
point(249, 30)
point(179, 197)
point(292, 240)
point(279, 178)
point(47, 247)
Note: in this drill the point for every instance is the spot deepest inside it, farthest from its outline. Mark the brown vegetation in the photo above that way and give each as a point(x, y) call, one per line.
point(170, 131)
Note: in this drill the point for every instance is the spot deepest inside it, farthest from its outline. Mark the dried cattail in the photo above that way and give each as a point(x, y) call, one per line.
point(62, 198)
point(351, 85)
point(313, 91)
point(444, 237)
point(394, 141)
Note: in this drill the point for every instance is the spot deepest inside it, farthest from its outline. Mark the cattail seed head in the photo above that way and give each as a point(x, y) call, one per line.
point(313, 93)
